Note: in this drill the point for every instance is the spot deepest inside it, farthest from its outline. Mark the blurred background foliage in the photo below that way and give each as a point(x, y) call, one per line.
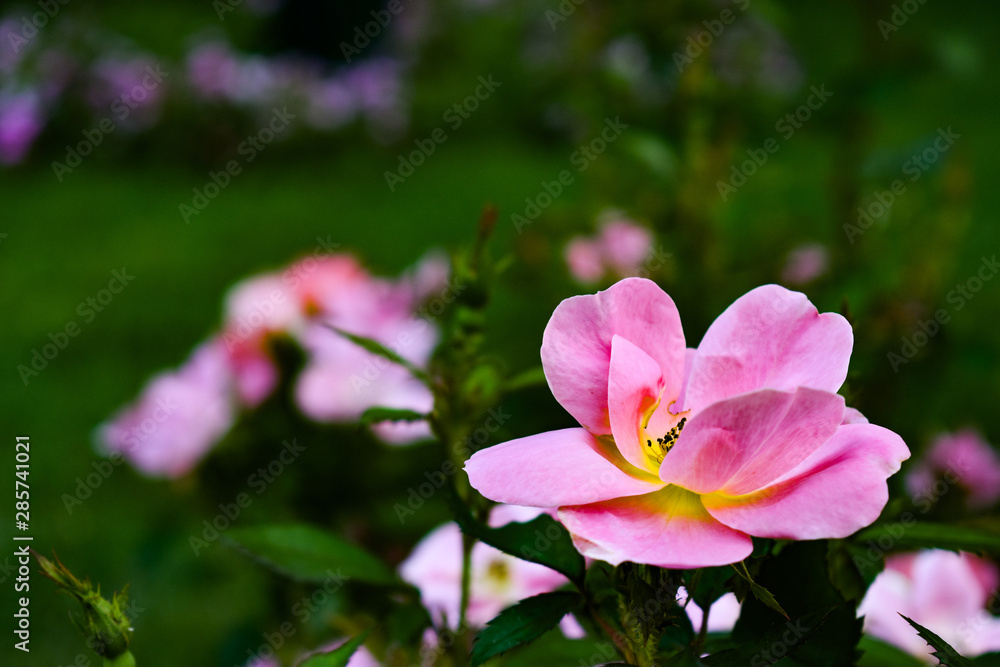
point(559, 82)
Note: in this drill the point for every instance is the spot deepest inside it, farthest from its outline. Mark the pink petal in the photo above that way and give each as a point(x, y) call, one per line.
point(769, 338)
point(633, 389)
point(567, 467)
point(744, 443)
point(833, 493)
point(576, 345)
point(668, 528)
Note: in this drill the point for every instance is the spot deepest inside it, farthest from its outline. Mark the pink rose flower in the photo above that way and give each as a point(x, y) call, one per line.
point(963, 457)
point(178, 417)
point(943, 591)
point(498, 580)
point(619, 248)
point(684, 454)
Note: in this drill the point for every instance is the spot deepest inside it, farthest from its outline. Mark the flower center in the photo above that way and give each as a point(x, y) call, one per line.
point(661, 446)
point(498, 571)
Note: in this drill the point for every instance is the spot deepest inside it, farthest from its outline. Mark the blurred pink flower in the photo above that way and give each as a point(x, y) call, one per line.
point(944, 591)
point(583, 256)
point(964, 457)
point(805, 264)
point(212, 70)
point(341, 380)
point(178, 417)
point(182, 414)
point(498, 580)
point(722, 615)
point(619, 248)
point(127, 88)
point(21, 120)
point(255, 309)
point(684, 454)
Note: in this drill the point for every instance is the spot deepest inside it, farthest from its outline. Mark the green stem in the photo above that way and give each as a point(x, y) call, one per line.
point(467, 544)
point(123, 660)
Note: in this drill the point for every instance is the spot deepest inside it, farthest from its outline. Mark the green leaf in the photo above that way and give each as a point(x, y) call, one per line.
point(338, 657)
point(797, 575)
point(758, 591)
point(553, 648)
point(988, 660)
point(771, 645)
point(524, 622)
point(877, 653)
point(542, 540)
point(381, 350)
point(533, 377)
point(309, 554)
point(375, 415)
point(942, 650)
point(927, 535)
point(850, 568)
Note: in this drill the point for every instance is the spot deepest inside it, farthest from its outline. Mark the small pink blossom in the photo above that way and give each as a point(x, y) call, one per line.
point(943, 591)
point(619, 248)
point(964, 457)
point(722, 615)
point(21, 121)
point(178, 417)
point(498, 580)
point(805, 264)
point(684, 453)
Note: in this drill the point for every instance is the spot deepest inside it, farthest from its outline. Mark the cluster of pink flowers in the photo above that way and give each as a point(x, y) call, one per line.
point(373, 90)
point(181, 414)
point(962, 458)
point(113, 80)
point(948, 593)
point(618, 249)
point(683, 454)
